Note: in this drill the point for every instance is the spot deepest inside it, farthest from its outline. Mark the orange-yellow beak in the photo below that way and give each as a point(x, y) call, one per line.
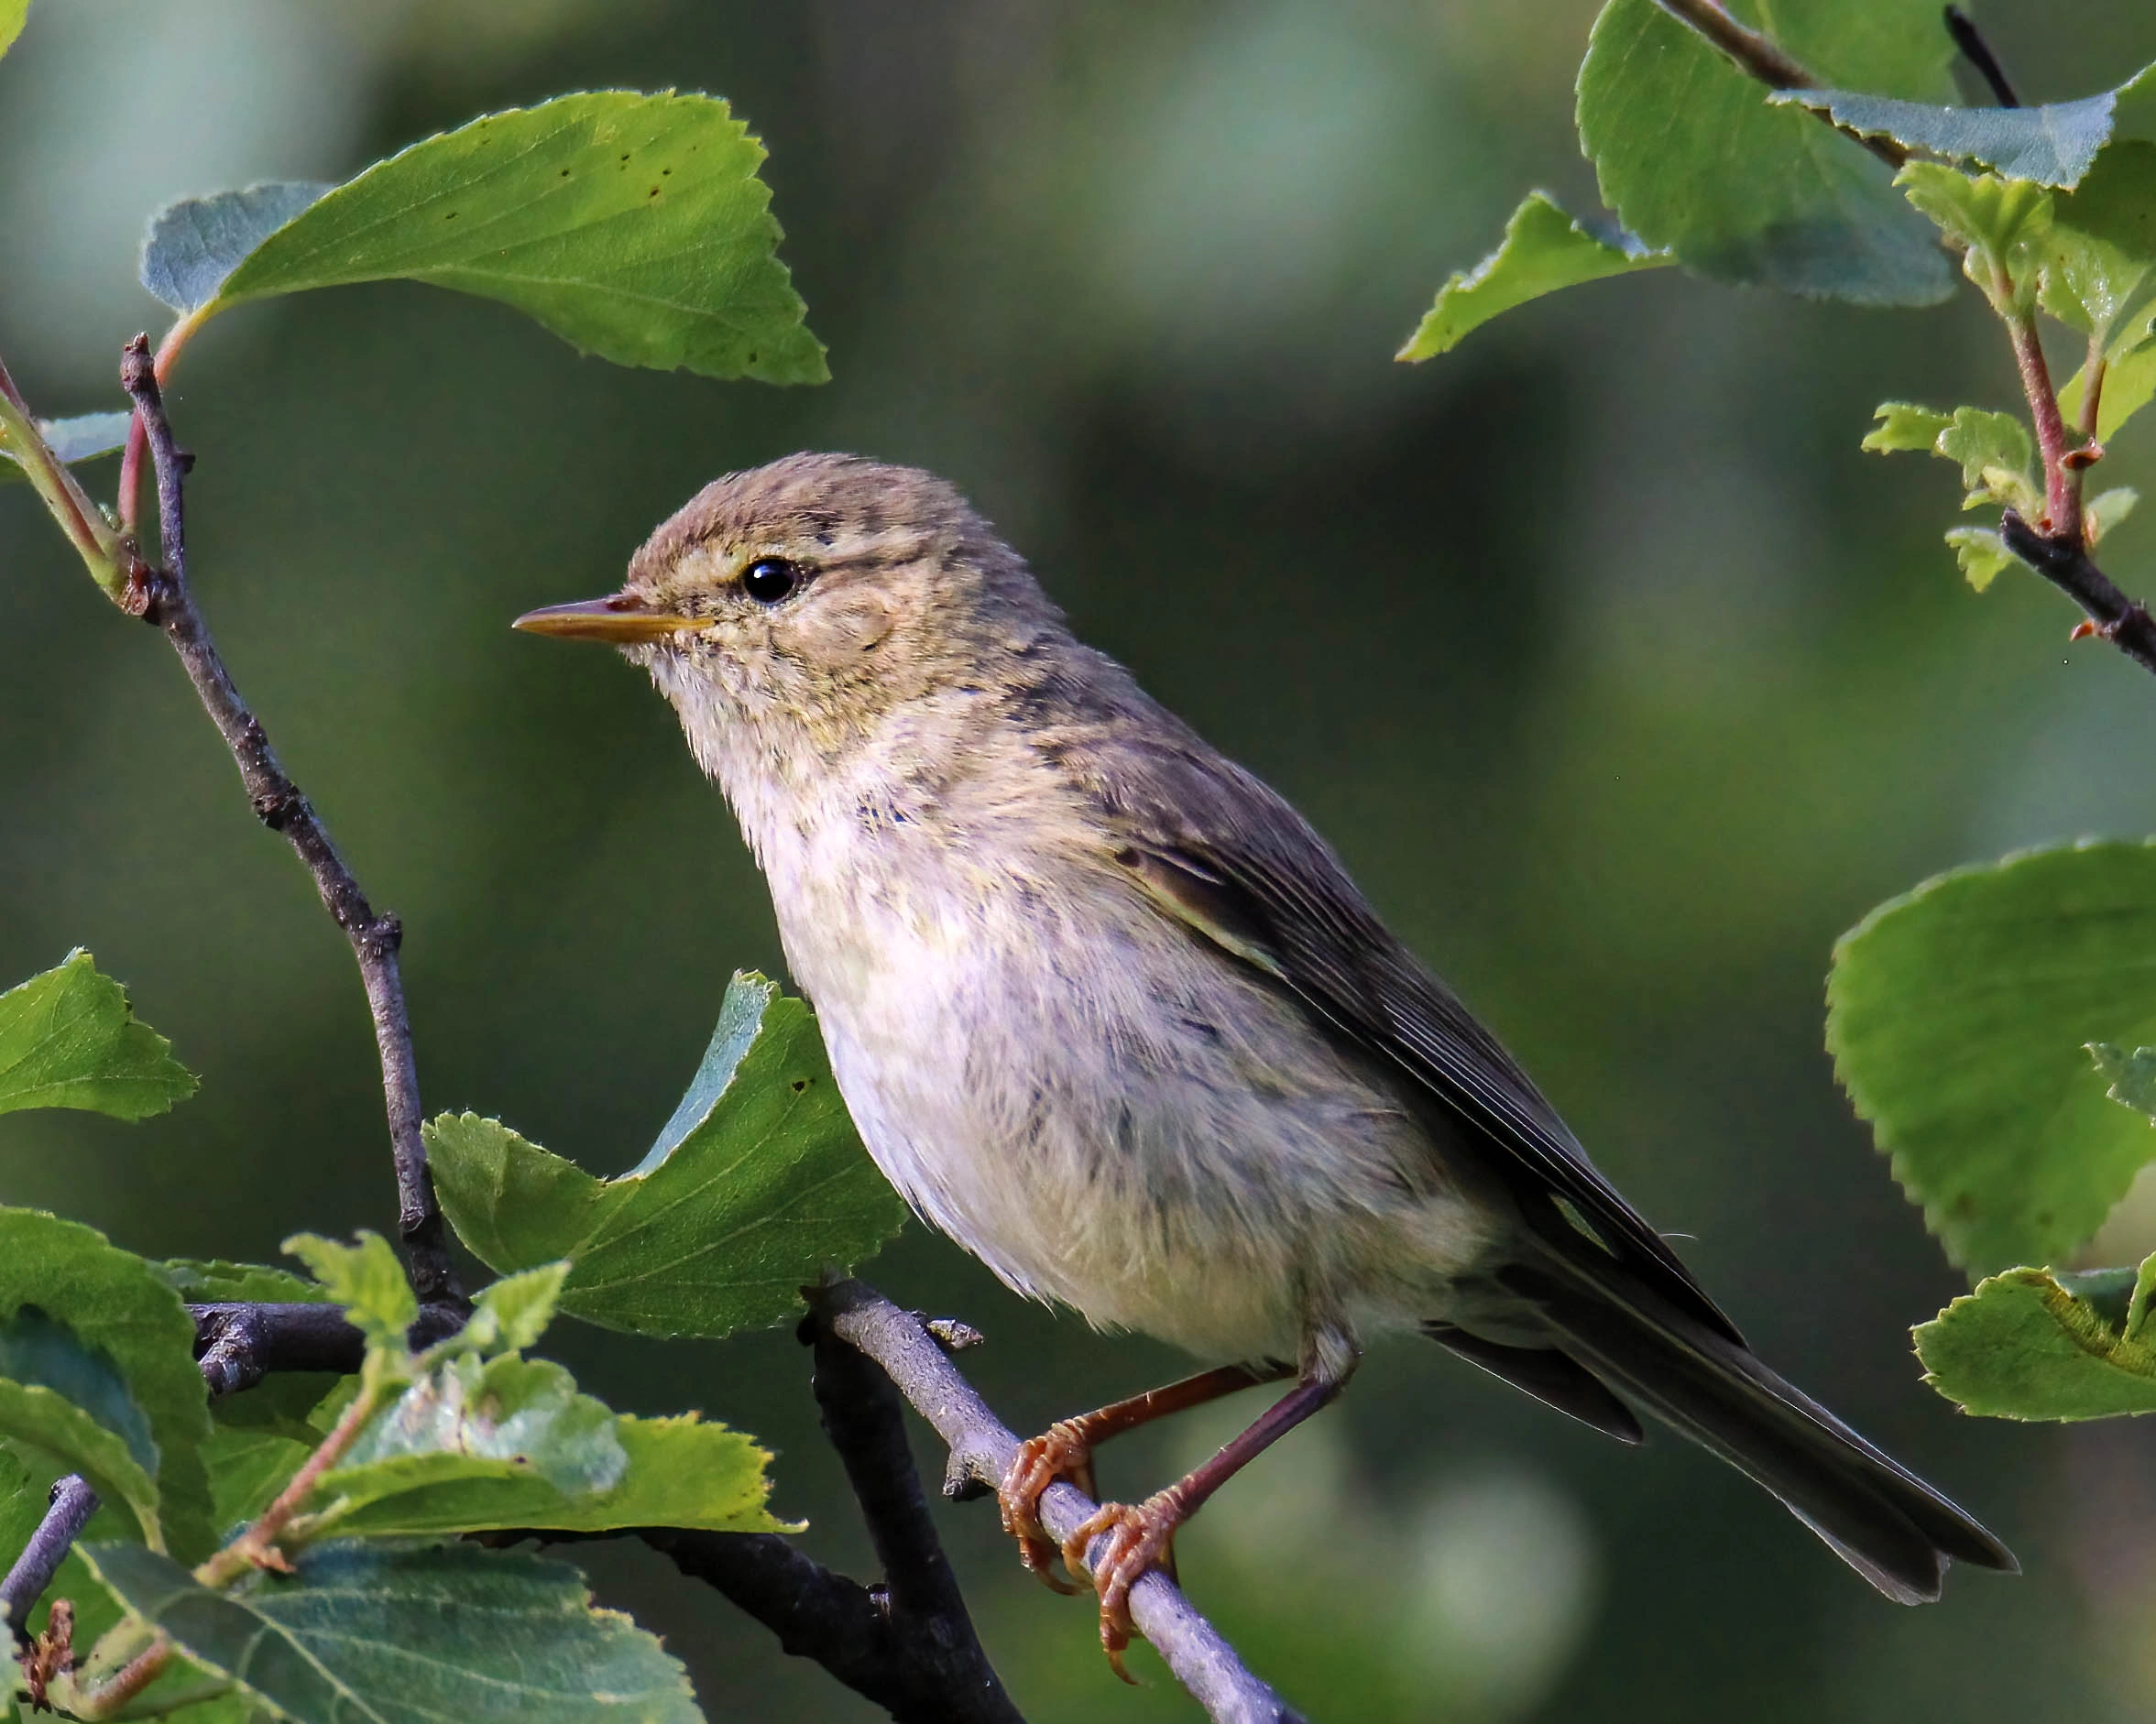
point(621, 618)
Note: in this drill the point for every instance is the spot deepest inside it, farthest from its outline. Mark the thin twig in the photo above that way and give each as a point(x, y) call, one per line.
point(981, 1450)
point(166, 600)
point(2054, 443)
point(861, 1417)
point(1758, 57)
point(1977, 52)
point(2064, 560)
point(73, 1502)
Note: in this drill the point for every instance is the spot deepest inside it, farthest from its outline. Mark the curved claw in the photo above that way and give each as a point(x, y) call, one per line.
point(1060, 1451)
point(1140, 1538)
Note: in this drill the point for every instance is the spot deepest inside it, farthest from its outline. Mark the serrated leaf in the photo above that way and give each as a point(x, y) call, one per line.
point(84, 437)
point(633, 226)
point(512, 1314)
point(2100, 268)
point(2030, 1345)
point(2130, 1079)
point(68, 1039)
point(2004, 225)
point(1544, 249)
point(757, 1183)
point(248, 1466)
point(1958, 1017)
point(36, 1351)
point(1980, 553)
point(193, 245)
point(120, 1309)
point(503, 1417)
point(682, 1472)
point(1995, 453)
point(2054, 145)
point(366, 1279)
point(2104, 511)
point(1693, 161)
point(1904, 426)
point(499, 1637)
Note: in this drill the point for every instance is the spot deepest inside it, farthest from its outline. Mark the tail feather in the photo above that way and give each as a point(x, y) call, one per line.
point(1879, 1517)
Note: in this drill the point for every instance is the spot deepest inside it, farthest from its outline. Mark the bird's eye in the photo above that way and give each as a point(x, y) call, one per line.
point(768, 580)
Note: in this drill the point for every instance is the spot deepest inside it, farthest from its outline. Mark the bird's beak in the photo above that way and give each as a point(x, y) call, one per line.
point(621, 618)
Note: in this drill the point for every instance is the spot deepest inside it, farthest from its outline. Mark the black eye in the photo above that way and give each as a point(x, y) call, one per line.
point(768, 580)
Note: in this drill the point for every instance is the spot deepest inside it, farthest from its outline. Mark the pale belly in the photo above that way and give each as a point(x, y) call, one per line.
point(1113, 1116)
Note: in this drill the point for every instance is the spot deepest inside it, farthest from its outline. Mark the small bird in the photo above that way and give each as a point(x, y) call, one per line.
point(1111, 1015)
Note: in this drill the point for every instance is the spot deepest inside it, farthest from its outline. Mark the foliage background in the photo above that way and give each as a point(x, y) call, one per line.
point(1621, 680)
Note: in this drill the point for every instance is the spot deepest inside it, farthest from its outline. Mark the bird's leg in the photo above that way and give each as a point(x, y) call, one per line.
point(1064, 1450)
point(1141, 1537)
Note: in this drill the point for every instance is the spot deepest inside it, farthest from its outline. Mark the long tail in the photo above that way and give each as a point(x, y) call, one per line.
point(1879, 1517)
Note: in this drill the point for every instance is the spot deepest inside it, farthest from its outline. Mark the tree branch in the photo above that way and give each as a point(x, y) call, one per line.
point(73, 1502)
point(2064, 560)
point(1977, 52)
point(981, 1450)
point(1758, 57)
point(161, 596)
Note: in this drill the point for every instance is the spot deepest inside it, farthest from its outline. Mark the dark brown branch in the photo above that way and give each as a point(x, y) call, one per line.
point(165, 600)
point(981, 1449)
point(1977, 52)
point(1758, 57)
point(73, 1502)
point(2064, 562)
point(947, 1672)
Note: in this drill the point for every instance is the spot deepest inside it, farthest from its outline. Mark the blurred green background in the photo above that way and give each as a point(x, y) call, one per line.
point(1622, 680)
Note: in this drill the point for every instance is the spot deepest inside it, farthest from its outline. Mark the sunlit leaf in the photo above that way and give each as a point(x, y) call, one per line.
point(633, 226)
point(68, 1039)
point(218, 1283)
point(2103, 512)
point(1543, 249)
point(366, 1279)
point(2031, 1345)
point(1693, 161)
point(1958, 1017)
point(1996, 455)
point(1981, 554)
point(757, 1183)
point(2130, 385)
point(13, 14)
point(1904, 425)
point(194, 245)
point(512, 1313)
point(2099, 272)
point(368, 1633)
point(682, 1472)
point(248, 1466)
point(2003, 225)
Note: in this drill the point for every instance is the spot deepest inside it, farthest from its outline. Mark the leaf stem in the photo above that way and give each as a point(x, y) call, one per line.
point(2054, 443)
point(256, 1548)
point(107, 556)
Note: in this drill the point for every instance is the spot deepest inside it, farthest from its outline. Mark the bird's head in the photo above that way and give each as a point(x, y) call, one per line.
point(789, 611)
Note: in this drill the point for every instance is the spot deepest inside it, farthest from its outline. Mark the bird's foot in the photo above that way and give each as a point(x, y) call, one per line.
point(1140, 1537)
point(1062, 1451)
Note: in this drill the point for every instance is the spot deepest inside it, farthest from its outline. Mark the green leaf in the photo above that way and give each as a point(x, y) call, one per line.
point(513, 1312)
point(365, 1633)
point(84, 437)
point(757, 1183)
point(2031, 1344)
point(504, 1417)
point(36, 1351)
point(2130, 385)
point(1996, 455)
point(1958, 1018)
point(121, 1309)
point(49, 1420)
point(248, 1466)
point(1543, 249)
point(218, 1283)
point(1981, 554)
point(633, 226)
point(2105, 510)
point(2130, 1078)
point(193, 245)
point(69, 1040)
point(1904, 425)
point(2052, 145)
point(2003, 224)
point(682, 1472)
point(1693, 161)
point(13, 14)
point(367, 1280)
point(2099, 272)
